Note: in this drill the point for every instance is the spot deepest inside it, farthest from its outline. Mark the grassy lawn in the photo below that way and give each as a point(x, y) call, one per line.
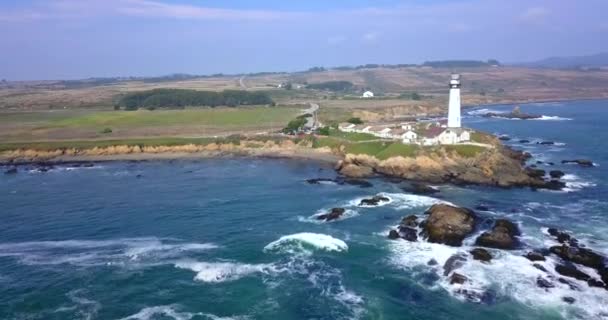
point(369, 148)
point(398, 149)
point(467, 151)
point(352, 136)
point(88, 144)
point(231, 117)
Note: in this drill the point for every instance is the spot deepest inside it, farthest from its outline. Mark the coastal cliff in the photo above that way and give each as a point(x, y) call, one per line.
point(495, 166)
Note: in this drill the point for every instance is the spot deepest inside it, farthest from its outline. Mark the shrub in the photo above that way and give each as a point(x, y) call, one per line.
point(355, 120)
point(106, 130)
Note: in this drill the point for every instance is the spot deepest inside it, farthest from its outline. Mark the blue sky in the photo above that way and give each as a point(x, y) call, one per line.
point(70, 39)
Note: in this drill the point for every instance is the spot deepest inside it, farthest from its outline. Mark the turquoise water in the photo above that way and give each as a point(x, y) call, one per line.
point(237, 238)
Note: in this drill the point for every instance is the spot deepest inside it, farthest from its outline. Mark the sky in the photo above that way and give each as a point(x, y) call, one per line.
point(75, 39)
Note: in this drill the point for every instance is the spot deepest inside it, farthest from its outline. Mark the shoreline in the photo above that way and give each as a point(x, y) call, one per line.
point(320, 157)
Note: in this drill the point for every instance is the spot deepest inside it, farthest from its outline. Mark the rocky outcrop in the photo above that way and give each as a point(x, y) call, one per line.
point(501, 236)
point(406, 229)
point(448, 224)
point(333, 214)
point(498, 166)
point(580, 162)
point(515, 114)
point(578, 255)
point(374, 201)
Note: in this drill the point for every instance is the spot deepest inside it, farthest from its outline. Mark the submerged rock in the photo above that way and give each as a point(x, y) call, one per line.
point(454, 262)
point(11, 171)
point(552, 185)
point(568, 300)
point(544, 283)
point(374, 201)
point(502, 236)
point(580, 162)
point(448, 224)
point(504, 138)
point(357, 182)
point(481, 254)
point(482, 207)
point(546, 143)
point(334, 214)
point(524, 141)
point(420, 188)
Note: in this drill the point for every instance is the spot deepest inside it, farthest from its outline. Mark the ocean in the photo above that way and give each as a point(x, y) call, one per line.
point(238, 238)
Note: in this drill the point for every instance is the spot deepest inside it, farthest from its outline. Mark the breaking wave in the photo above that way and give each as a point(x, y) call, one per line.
point(508, 275)
point(173, 312)
point(306, 243)
point(551, 118)
point(86, 253)
point(222, 271)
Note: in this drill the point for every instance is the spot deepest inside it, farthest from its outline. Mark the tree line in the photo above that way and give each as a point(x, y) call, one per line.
point(181, 98)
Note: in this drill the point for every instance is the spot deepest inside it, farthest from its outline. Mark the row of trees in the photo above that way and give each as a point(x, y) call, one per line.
point(461, 63)
point(336, 86)
point(180, 98)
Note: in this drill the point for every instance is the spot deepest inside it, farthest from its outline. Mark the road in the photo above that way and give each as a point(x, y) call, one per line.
point(242, 82)
point(311, 122)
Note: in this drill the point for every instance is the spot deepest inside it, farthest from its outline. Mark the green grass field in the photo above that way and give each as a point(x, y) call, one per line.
point(352, 136)
point(235, 117)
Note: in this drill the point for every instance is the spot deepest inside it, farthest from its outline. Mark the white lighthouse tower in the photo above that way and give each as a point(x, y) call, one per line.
point(454, 106)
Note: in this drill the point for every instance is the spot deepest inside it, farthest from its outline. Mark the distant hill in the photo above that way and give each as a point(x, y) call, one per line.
point(590, 61)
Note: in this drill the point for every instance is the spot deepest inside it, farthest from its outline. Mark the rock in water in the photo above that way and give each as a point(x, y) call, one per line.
point(11, 171)
point(334, 214)
point(374, 201)
point(568, 300)
point(556, 174)
point(580, 162)
point(572, 272)
point(408, 234)
point(581, 256)
point(535, 256)
point(502, 236)
point(448, 224)
point(481, 254)
point(419, 188)
point(535, 173)
point(544, 283)
point(409, 221)
point(457, 278)
point(393, 235)
point(454, 262)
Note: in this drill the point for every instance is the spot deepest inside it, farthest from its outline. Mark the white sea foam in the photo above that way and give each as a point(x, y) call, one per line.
point(575, 183)
point(484, 111)
point(400, 201)
point(172, 311)
point(551, 118)
point(306, 243)
point(126, 251)
point(222, 271)
point(508, 275)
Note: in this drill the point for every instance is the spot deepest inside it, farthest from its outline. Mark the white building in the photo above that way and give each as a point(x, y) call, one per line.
point(409, 136)
point(368, 94)
point(454, 105)
point(454, 136)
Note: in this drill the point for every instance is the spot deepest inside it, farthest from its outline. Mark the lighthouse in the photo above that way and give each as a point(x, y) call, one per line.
point(454, 105)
